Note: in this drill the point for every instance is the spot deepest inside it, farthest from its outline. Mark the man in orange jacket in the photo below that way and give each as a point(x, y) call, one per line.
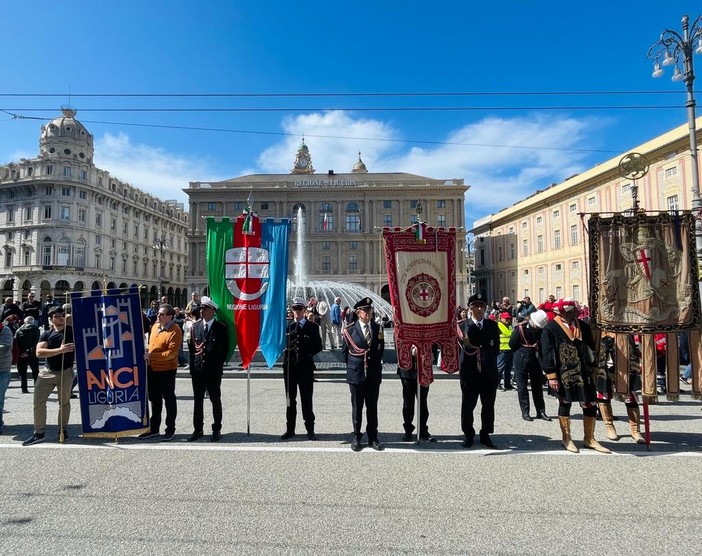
point(162, 360)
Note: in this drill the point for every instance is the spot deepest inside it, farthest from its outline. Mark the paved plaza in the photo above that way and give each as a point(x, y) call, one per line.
point(253, 494)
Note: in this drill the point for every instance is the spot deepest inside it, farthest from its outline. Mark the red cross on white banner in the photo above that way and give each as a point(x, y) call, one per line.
point(643, 257)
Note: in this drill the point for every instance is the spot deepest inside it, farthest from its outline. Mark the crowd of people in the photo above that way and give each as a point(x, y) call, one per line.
point(505, 347)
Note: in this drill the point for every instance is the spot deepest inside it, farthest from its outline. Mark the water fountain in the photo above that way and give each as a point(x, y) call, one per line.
point(328, 290)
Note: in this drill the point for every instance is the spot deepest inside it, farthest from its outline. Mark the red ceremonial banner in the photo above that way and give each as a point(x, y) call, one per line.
point(421, 265)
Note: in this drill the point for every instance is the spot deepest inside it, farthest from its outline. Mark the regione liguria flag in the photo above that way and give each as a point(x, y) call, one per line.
point(247, 269)
point(421, 265)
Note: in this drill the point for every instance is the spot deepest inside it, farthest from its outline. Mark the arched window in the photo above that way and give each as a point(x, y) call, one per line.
point(298, 217)
point(326, 218)
point(353, 218)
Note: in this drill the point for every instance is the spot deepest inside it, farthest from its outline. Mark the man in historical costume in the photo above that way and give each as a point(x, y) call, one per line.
point(408, 378)
point(303, 342)
point(363, 349)
point(208, 346)
point(525, 343)
point(504, 358)
point(56, 345)
point(162, 364)
point(605, 386)
point(478, 371)
point(568, 359)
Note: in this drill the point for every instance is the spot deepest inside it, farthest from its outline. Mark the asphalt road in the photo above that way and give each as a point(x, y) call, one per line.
point(253, 494)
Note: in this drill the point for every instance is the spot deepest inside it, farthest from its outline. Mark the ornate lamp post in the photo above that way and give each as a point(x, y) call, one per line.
point(672, 49)
point(160, 243)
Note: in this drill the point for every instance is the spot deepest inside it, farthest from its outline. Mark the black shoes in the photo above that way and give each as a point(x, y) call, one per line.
point(427, 437)
point(287, 434)
point(485, 441)
point(377, 446)
point(527, 417)
point(312, 436)
point(407, 437)
point(193, 437)
point(216, 435)
point(148, 434)
point(167, 436)
point(542, 415)
point(467, 441)
point(356, 444)
point(36, 438)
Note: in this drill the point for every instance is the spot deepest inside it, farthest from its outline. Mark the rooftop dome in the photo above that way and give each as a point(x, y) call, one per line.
point(359, 167)
point(66, 137)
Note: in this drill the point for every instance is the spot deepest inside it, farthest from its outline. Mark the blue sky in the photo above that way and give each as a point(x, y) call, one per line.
point(503, 143)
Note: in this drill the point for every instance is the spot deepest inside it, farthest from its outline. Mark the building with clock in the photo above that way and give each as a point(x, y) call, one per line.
point(340, 214)
point(66, 225)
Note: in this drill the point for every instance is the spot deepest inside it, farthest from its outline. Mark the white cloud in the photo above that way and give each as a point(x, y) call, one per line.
point(151, 169)
point(489, 154)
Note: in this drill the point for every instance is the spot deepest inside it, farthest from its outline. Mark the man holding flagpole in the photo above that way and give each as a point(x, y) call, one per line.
point(303, 343)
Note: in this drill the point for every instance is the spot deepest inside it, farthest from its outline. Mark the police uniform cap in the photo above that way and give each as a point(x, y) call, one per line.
point(207, 302)
point(364, 304)
point(298, 302)
point(476, 298)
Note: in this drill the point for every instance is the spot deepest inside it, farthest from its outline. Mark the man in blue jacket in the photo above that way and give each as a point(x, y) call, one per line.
point(363, 352)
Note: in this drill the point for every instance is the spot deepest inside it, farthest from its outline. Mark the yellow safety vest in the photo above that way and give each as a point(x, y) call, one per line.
point(505, 333)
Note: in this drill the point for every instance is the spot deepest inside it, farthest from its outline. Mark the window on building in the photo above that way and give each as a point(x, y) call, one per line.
point(526, 272)
point(353, 262)
point(211, 206)
point(10, 214)
point(387, 220)
point(79, 254)
point(83, 194)
point(326, 264)
point(626, 189)
point(574, 238)
point(441, 203)
point(326, 218)
point(98, 261)
point(541, 269)
point(135, 267)
point(65, 213)
point(84, 175)
point(673, 203)
point(66, 171)
point(49, 170)
point(27, 257)
point(28, 213)
point(27, 234)
point(65, 191)
point(559, 267)
point(441, 220)
point(539, 219)
point(30, 171)
point(136, 230)
point(413, 204)
point(524, 225)
point(98, 220)
point(98, 240)
point(264, 206)
point(573, 207)
point(576, 292)
point(112, 264)
point(124, 266)
point(387, 204)
point(237, 206)
point(63, 252)
point(46, 250)
point(559, 292)
point(125, 228)
point(326, 246)
point(353, 218)
point(557, 239)
point(414, 219)
point(113, 224)
point(499, 253)
point(8, 258)
point(511, 250)
point(82, 215)
point(353, 245)
point(539, 244)
point(670, 172)
point(556, 213)
point(482, 257)
point(591, 201)
point(542, 296)
point(525, 248)
point(575, 265)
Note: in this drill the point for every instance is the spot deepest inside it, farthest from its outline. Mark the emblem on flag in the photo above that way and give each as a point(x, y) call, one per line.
point(423, 294)
point(246, 272)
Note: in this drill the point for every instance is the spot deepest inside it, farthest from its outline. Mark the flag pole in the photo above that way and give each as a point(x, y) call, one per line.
point(248, 400)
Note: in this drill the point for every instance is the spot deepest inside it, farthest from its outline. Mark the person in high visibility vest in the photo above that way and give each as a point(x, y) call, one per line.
point(504, 358)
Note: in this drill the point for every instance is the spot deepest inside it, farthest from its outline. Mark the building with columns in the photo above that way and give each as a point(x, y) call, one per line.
point(539, 245)
point(66, 225)
point(340, 214)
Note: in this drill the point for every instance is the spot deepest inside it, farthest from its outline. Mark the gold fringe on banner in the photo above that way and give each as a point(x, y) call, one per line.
point(672, 367)
point(648, 368)
point(622, 364)
point(695, 340)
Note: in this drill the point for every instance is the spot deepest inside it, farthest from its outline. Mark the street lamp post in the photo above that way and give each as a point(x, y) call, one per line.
point(160, 243)
point(668, 51)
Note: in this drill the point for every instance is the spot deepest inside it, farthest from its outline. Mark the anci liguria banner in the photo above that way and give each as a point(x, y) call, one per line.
point(109, 340)
point(247, 270)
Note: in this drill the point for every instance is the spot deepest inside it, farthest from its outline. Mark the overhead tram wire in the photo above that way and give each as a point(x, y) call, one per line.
point(319, 136)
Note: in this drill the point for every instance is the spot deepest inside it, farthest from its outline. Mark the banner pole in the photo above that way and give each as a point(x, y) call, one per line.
point(647, 424)
point(418, 400)
point(248, 400)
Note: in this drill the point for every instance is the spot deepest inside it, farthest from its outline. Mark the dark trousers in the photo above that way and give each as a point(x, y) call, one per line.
point(409, 395)
point(212, 384)
point(306, 387)
point(527, 368)
point(504, 368)
point(162, 389)
point(30, 361)
point(476, 385)
point(366, 393)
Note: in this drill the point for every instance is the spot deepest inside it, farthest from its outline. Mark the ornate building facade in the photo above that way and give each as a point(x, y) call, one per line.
point(340, 215)
point(539, 246)
point(66, 225)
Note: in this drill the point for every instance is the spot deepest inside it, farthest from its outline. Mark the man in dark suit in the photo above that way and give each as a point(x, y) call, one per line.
point(478, 371)
point(303, 343)
point(209, 346)
point(363, 352)
point(408, 378)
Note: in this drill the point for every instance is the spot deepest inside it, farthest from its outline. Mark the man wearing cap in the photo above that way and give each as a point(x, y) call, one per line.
point(525, 345)
point(478, 371)
point(363, 352)
point(162, 363)
point(568, 359)
point(208, 347)
point(504, 359)
point(303, 342)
